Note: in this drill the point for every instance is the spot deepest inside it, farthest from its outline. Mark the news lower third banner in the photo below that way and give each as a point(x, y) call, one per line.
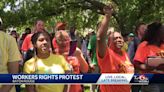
point(113, 79)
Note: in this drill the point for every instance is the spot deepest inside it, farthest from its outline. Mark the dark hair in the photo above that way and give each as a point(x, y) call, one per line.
point(13, 32)
point(28, 30)
point(0, 23)
point(138, 26)
point(152, 34)
point(37, 34)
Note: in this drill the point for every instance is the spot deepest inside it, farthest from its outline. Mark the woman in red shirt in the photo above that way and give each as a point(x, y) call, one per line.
point(151, 46)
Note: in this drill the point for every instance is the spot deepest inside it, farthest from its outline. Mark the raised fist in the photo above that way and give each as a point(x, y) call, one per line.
point(108, 10)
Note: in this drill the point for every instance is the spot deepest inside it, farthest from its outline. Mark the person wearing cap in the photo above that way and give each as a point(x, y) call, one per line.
point(130, 37)
point(9, 57)
point(60, 26)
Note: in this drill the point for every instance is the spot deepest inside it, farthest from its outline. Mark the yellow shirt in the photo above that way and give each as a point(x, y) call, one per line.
point(54, 64)
point(125, 47)
point(8, 52)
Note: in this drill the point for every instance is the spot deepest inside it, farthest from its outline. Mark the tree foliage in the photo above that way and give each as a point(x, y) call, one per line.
point(82, 13)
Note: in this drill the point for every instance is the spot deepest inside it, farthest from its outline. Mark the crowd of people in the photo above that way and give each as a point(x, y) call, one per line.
point(64, 52)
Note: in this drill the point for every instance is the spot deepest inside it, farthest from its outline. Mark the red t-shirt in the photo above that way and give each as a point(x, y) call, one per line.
point(54, 43)
point(114, 63)
point(144, 51)
point(27, 43)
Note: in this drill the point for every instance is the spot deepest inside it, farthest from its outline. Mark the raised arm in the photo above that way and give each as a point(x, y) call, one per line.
point(102, 31)
point(83, 64)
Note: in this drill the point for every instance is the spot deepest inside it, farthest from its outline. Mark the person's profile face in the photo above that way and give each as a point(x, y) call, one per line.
point(43, 43)
point(142, 29)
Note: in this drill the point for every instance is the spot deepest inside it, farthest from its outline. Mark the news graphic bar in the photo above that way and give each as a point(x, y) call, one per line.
point(115, 79)
point(105, 78)
point(48, 78)
point(143, 79)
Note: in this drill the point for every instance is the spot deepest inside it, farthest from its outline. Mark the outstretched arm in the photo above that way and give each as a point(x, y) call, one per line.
point(83, 64)
point(102, 31)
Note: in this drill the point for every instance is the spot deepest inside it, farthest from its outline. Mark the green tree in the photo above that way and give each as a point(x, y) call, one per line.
point(83, 13)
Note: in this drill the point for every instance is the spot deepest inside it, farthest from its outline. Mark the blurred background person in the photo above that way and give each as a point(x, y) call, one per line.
point(93, 64)
point(132, 47)
point(130, 37)
point(38, 27)
point(23, 36)
point(27, 45)
point(74, 35)
point(14, 34)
